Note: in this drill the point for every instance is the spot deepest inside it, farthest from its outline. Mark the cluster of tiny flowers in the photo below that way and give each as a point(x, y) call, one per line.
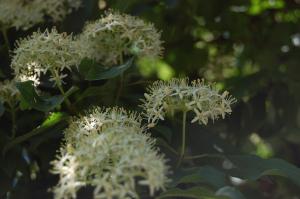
point(115, 36)
point(8, 92)
point(110, 151)
point(44, 52)
point(25, 14)
point(167, 97)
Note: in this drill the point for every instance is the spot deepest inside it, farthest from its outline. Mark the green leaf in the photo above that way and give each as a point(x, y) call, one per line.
point(206, 174)
point(230, 192)
point(91, 70)
point(29, 98)
point(253, 167)
point(194, 192)
point(2, 109)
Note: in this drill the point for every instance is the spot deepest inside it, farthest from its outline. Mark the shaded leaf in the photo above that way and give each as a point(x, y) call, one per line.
point(29, 98)
point(194, 192)
point(91, 70)
point(206, 174)
point(230, 192)
point(253, 167)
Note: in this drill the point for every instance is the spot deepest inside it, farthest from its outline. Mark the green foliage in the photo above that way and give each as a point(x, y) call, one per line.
point(91, 70)
point(194, 192)
point(206, 174)
point(249, 48)
point(253, 167)
point(30, 98)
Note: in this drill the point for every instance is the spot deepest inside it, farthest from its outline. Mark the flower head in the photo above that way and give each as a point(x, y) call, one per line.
point(44, 52)
point(178, 95)
point(25, 14)
point(9, 92)
point(115, 36)
point(109, 150)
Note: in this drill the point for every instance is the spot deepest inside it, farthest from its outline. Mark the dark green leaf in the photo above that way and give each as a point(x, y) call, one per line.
point(253, 167)
point(230, 192)
point(29, 98)
point(91, 70)
point(194, 192)
point(205, 174)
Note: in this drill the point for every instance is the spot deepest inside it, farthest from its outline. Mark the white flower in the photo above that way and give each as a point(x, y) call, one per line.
point(44, 52)
point(116, 36)
point(111, 152)
point(167, 97)
point(25, 14)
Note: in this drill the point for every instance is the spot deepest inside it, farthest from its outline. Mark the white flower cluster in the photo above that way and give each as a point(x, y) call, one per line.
point(108, 41)
point(178, 95)
point(115, 36)
point(8, 92)
point(109, 150)
point(44, 52)
point(25, 14)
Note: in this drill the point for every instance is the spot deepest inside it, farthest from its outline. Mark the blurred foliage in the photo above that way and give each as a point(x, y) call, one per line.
point(250, 48)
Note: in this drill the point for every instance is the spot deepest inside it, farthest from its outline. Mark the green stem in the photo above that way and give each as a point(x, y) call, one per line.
point(6, 40)
point(32, 133)
point(205, 155)
point(60, 88)
point(182, 151)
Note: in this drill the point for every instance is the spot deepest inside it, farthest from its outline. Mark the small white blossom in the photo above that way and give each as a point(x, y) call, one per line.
point(43, 53)
point(25, 14)
point(115, 36)
point(167, 97)
point(109, 150)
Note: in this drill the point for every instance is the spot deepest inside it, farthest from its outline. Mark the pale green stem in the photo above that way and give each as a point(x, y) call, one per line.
point(60, 88)
point(6, 40)
point(182, 151)
point(32, 133)
point(203, 156)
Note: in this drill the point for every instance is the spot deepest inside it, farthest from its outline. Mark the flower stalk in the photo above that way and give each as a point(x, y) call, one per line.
point(183, 141)
point(62, 91)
